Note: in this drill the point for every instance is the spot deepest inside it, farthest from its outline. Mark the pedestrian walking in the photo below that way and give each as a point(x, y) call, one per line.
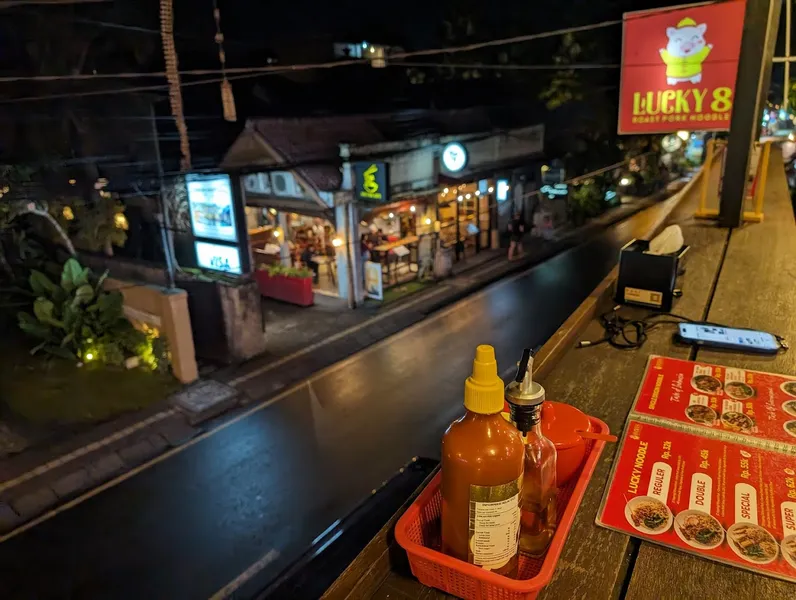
point(517, 232)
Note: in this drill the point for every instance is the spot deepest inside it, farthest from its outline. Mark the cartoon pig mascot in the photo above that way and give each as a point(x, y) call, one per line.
point(685, 52)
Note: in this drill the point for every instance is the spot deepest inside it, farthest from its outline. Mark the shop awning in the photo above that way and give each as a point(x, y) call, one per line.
point(302, 207)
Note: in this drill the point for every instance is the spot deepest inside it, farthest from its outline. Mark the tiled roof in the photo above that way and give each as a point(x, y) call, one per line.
point(316, 139)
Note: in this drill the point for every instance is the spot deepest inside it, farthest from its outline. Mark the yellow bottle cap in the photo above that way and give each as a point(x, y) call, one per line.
point(483, 390)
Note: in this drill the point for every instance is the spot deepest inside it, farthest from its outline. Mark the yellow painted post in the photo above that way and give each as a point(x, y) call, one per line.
point(702, 211)
point(762, 181)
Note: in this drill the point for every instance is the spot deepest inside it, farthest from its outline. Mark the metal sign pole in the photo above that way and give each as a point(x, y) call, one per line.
point(751, 89)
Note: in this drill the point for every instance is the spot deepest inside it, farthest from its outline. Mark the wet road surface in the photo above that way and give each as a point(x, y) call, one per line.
point(263, 487)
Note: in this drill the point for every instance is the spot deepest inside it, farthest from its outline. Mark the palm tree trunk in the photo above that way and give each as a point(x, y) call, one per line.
point(57, 226)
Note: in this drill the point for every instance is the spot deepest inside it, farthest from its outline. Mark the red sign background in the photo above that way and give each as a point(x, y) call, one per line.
point(691, 84)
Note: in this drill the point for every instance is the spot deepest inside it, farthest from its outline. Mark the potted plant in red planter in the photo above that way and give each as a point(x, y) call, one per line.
point(288, 284)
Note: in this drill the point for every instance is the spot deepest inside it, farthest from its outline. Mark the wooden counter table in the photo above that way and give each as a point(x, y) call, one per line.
point(754, 287)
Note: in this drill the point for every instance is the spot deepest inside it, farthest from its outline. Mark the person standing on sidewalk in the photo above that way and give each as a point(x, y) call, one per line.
point(517, 232)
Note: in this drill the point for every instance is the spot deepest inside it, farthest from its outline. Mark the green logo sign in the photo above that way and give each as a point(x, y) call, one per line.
point(371, 181)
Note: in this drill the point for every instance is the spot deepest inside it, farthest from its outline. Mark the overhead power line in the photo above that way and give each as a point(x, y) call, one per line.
point(16, 3)
point(246, 72)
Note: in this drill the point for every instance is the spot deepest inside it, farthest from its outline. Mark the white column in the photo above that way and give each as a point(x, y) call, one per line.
point(348, 256)
point(284, 249)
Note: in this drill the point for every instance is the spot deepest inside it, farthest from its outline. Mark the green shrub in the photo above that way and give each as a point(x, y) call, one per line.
point(76, 319)
point(277, 269)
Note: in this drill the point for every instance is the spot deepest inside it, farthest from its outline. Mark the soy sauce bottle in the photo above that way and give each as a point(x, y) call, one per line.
point(538, 499)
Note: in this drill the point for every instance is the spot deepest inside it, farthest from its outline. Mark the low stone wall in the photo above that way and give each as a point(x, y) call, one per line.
point(226, 319)
point(167, 311)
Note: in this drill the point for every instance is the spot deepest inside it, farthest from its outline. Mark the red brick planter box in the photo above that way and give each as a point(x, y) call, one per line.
point(295, 290)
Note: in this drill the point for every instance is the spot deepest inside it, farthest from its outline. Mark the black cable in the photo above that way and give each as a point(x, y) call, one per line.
point(628, 334)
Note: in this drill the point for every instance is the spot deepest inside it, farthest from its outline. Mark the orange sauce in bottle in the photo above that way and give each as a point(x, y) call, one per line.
point(482, 466)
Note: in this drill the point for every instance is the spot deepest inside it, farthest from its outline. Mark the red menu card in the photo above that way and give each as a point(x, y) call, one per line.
point(715, 486)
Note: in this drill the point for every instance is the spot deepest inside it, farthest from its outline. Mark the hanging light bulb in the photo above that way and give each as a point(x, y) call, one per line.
point(391, 215)
point(445, 191)
point(412, 208)
point(460, 198)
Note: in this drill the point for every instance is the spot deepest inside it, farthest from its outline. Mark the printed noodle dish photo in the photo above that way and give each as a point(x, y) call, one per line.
point(739, 390)
point(704, 415)
point(752, 543)
point(698, 529)
point(736, 421)
point(789, 387)
point(648, 515)
point(706, 383)
point(790, 407)
point(789, 550)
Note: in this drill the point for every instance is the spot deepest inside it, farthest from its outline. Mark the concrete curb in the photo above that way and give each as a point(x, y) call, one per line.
point(50, 484)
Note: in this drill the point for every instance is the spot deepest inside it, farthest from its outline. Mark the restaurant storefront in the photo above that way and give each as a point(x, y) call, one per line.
point(293, 232)
point(363, 202)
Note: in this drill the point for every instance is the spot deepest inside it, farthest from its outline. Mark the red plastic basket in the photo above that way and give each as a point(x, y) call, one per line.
point(418, 532)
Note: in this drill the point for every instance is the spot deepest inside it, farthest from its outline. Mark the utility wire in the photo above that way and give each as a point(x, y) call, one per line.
point(245, 72)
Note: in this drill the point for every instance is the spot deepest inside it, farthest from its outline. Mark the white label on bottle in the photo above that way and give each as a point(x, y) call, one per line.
point(495, 530)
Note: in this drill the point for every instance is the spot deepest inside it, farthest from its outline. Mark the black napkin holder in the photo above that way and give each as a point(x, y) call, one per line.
point(647, 280)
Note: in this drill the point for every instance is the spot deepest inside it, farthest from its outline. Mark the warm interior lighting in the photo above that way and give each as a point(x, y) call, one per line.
point(412, 208)
point(337, 242)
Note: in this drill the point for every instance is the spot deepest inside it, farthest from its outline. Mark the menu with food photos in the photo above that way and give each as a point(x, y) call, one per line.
point(707, 465)
point(722, 402)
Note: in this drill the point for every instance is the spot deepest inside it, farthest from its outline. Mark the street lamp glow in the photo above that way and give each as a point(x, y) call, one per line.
point(89, 356)
point(428, 221)
point(625, 181)
point(683, 135)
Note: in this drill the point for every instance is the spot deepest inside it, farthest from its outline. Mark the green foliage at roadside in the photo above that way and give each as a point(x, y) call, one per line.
point(45, 391)
point(279, 269)
point(75, 319)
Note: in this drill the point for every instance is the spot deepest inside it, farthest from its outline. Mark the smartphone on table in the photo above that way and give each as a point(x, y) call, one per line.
point(716, 336)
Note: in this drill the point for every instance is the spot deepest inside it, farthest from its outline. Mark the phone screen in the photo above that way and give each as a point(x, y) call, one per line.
point(726, 336)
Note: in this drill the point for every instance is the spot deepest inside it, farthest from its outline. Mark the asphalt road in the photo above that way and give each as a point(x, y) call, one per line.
point(265, 486)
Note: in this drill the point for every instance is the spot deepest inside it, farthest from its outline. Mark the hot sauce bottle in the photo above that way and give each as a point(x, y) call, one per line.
point(538, 500)
point(482, 462)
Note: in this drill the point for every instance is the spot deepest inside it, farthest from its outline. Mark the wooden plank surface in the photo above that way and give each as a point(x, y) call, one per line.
point(756, 289)
point(603, 381)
